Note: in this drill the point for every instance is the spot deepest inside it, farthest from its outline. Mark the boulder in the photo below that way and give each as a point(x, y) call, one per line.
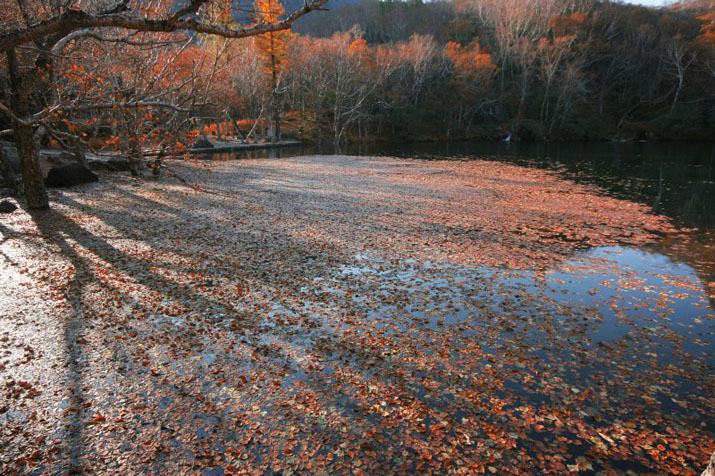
point(202, 144)
point(12, 158)
point(59, 159)
point(69, 175)
point(120, 164)
point(7, 207)
point(9, 171)
point(96, 165)
point(112, 164)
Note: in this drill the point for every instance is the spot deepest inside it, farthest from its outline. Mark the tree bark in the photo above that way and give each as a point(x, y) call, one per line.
point(136, 163)
point(80, 154)
point(116, 17)
point(32, 179)
point(276, 110)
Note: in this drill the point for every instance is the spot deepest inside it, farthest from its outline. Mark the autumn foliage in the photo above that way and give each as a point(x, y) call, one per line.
point(707, 30)
point(273, 45)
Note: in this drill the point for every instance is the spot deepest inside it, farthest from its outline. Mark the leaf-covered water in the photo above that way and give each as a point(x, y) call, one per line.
point(343, 315)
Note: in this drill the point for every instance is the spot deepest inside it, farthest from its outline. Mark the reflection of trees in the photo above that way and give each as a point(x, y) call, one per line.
point(676, 178)
point(695, 250)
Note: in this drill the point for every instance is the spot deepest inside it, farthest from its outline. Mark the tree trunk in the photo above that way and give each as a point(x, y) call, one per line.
point(80, 154)
point(318, 126)
point(276, 125)
point(677, 95)
point(136, 164)
point(274, 93)
point(25, 141)
point(32, 179)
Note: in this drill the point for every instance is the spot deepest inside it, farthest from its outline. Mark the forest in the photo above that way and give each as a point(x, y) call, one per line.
point(548, 70)
point(367, 71)
point(544, 70)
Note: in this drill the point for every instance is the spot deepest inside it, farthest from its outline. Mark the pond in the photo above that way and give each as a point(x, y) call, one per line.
point(638, 323)
point(675, 179)
point(367, 315)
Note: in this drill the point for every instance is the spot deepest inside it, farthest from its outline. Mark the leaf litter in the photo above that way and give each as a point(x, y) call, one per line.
point(344, 315)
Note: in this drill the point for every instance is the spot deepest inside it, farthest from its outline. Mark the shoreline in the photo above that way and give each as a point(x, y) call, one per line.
point(224, 146)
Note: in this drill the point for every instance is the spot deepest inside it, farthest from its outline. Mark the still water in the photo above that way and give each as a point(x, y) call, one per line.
point(676, 179)
point(641, 318)
point(602, 362)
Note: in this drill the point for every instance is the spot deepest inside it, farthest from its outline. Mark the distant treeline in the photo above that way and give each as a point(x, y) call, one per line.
point(535, 69)
point(464, 69)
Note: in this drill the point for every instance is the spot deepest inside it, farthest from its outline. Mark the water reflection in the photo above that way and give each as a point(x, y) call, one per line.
point(630, 326)
point(676, 179)
point(632, 290)
point(613, 293)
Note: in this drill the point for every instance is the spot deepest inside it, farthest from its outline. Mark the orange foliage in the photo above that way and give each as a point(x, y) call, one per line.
point(358, 47)
point(472, 69)
point(469, 61)
point(273, 45)
point(224, 128)
point(707, 31)
point(561, 24)
point(370, 58)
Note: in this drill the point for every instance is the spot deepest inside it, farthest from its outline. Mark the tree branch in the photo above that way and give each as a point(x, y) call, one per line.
point(73, 20)
point(91, 33)
point(131, 104)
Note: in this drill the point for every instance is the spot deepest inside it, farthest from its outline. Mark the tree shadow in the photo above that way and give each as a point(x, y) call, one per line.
point(218, 342)
point(78, 246)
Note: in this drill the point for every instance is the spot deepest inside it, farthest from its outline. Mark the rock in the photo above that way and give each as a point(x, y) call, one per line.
point(69, 175)
point(112, 164)
point(97, 165)
point(7, 207)
point(119, 164)
point(202, 144)
point(12, 158)
point(59, 159)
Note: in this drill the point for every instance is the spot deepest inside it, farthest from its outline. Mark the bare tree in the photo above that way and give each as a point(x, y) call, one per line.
point(340, 75)
point(678, 58)
point(34, 33)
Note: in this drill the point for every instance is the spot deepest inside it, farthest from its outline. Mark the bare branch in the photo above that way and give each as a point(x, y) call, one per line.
point(125, 105)
point(73, 20)
point(91, 33)
point(8, 112)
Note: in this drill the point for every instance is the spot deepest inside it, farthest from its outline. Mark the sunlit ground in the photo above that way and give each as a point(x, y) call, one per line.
point(327, 315)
